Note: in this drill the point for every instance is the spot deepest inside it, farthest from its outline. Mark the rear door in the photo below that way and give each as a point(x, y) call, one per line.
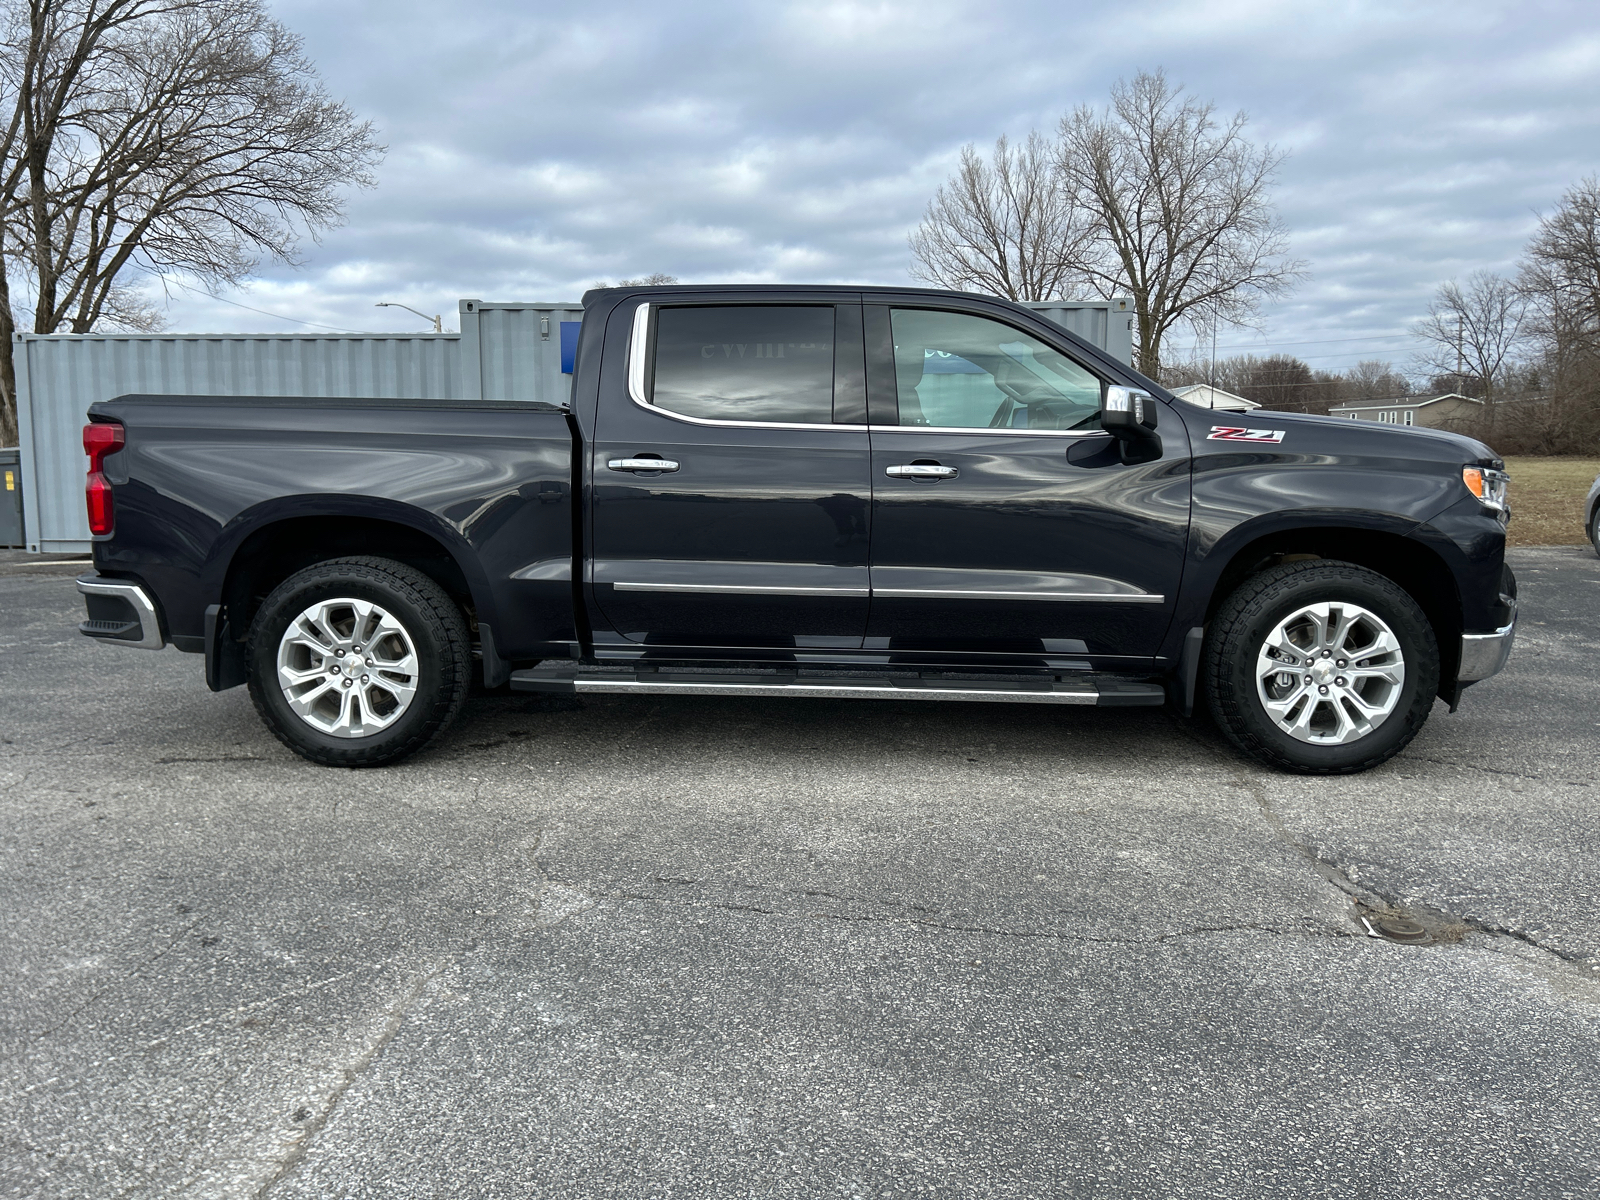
point(753, 532)
point(1004, 521)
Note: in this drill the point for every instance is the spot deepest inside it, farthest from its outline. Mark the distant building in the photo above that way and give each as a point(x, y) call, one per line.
point(1436, 412)
point(1208, 396)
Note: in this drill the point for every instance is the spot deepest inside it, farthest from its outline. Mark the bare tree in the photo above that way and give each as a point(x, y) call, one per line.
point(184, 136)
point(656, 279)
point(1277, 381)
point(1004, 227)
point(1285, 383)
point(1560, 279)
point(1472, 331)
point(1562, 264)
point(1374, 379)
point(1179, 210)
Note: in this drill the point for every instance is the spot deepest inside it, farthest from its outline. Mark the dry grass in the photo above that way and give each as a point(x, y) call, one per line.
point(1547, 500)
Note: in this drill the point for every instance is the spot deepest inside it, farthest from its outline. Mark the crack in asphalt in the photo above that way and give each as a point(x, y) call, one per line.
point(1466, 766)
point(174, 940)
point(1311, 930)
point(398, 1012)
point(1372, 897)
point(1522, 935)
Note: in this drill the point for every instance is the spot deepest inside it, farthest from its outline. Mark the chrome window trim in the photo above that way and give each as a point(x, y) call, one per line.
point(638, 343)
point(1060, 433)
point(957, 594)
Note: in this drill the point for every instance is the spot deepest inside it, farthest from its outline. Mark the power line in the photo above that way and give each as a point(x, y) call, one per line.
point(280, 316)
point(1309, 358)
point(1375, 337)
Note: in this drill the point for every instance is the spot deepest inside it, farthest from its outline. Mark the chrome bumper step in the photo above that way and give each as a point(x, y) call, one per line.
point(120, 612)
point(1064, 689)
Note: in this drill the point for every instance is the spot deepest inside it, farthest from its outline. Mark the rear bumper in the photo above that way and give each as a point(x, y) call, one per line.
point(121, 612)
point(1484, 654)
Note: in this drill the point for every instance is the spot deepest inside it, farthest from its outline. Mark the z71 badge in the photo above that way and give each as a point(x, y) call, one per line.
point(1230, 433)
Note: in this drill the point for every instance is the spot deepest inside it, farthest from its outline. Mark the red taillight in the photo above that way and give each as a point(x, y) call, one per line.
point(100, 439)
point(102, 516)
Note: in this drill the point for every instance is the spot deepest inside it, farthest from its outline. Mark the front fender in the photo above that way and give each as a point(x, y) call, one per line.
point(1212, 550)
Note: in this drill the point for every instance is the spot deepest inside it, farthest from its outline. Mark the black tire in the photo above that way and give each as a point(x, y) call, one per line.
point(1594, 529)
point(428, 617)
point(1238, 632)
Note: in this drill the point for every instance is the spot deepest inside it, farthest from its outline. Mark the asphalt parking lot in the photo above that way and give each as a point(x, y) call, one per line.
point(711, 947)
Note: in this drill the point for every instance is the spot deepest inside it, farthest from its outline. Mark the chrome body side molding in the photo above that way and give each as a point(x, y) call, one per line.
point(960, 583)
point(732, 578)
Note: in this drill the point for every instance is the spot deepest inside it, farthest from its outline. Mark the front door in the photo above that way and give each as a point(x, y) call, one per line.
point(1004, 521)
point(754, 530)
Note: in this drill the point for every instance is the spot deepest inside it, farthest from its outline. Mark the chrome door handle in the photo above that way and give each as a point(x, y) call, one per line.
point(642, 464)
point(921, 471)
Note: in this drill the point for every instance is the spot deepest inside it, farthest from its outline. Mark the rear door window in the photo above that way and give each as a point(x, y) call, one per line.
point(764, 363)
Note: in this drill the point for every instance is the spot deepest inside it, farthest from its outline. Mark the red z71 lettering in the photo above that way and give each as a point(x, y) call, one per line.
point(1230, 433)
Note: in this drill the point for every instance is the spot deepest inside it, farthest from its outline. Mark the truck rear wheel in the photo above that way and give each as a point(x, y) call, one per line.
point(357, 662)
point(1321, 668)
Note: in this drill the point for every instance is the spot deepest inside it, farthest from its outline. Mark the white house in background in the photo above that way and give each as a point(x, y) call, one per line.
point(1209, 396)
point(1436, 412)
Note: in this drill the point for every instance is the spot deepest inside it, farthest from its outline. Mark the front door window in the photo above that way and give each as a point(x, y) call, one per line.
point(958, 371)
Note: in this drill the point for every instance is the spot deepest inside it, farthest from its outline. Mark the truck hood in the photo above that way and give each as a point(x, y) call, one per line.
point(1434, 444)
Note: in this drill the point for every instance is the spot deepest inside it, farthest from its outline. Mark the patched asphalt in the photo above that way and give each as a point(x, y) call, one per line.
point(711, 947)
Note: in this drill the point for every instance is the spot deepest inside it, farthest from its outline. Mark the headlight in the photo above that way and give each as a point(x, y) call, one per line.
point(1488, 486)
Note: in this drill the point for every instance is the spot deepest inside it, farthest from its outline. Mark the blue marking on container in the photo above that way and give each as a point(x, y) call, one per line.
point(569, 345)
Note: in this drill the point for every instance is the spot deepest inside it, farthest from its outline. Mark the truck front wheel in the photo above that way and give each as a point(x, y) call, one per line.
point(357, 662)
point(1321, 668)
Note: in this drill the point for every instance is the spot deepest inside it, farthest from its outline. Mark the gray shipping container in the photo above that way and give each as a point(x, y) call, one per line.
point(10, 497)
point(503, 352)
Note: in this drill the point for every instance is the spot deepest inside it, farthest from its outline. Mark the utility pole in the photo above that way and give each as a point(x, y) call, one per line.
point(438, 324)
point(1460, 365)
point(1213, 351)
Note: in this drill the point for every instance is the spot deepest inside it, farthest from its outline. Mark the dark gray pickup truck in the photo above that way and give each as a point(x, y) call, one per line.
point(841, 493)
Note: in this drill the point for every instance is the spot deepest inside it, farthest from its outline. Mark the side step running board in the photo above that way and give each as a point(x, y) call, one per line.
point(1073, 689)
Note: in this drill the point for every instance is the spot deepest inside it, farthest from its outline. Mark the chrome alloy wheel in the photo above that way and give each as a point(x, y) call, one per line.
point(347, 668)
point(1330, 673)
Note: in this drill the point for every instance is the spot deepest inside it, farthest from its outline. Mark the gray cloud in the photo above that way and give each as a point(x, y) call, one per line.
point(537, 147)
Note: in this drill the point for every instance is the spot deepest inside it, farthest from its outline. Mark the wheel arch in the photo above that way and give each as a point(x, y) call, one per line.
point(1406, 556)
point(265, 545)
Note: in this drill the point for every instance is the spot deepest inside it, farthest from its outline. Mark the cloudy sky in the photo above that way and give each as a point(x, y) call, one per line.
point(536, 147)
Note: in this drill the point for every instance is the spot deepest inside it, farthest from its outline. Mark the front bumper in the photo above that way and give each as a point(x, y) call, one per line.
point(1484, 654)
point(120, 611)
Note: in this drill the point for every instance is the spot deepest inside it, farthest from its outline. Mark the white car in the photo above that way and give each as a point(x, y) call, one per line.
point(1592, 507)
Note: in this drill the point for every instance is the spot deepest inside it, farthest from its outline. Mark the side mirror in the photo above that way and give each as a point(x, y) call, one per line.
point(1129, 415)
